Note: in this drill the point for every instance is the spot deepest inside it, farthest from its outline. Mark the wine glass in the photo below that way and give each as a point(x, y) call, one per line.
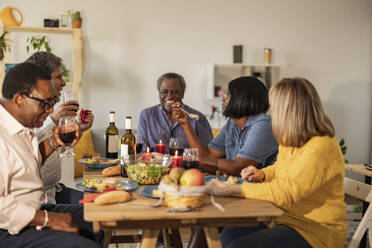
point(69, 96)
point(139, 144)
point(175, 144)
point(67, 134)
point(190, 158)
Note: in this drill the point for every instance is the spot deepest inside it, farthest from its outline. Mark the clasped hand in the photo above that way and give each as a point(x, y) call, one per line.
point(62, 222)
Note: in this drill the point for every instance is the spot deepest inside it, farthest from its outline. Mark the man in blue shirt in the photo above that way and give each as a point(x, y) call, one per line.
point(157, 123)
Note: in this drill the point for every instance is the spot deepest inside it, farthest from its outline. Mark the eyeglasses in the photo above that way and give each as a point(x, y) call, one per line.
point(172, 92)
point(47, 103)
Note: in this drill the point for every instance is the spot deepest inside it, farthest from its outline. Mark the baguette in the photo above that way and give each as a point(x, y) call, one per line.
point(112, 171)
point(112, 197)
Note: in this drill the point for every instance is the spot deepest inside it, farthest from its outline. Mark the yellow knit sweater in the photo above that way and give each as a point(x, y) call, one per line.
point(307, 183)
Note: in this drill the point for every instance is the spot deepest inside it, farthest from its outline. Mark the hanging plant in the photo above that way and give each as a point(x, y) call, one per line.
point(2, 46)
point(38, 43)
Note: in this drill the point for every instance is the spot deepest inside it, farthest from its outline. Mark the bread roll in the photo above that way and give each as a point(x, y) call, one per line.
point(112, 171)
point(112, 197)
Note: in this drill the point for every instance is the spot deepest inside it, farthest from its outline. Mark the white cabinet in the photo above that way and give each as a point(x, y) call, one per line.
point(219, 75)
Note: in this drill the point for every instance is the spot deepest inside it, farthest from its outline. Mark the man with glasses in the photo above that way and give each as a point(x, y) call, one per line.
point(25, 218)
point(157, 123)
point(51, 171)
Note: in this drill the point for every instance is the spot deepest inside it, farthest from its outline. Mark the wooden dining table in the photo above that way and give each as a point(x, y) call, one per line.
point(136, 214)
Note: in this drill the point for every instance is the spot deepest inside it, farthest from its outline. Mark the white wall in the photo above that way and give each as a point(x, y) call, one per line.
point(131, 43)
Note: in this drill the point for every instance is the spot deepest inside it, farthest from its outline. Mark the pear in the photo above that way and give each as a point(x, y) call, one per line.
point(176, 173)
point(166, 179)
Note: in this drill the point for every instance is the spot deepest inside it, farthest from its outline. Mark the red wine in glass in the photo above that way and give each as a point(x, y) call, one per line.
point(139, 147)
point(172, 151)
point(67, 137)
point(67, 134)
point(187, 164)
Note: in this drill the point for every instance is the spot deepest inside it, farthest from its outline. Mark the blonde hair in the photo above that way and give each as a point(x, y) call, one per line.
point(297, 112)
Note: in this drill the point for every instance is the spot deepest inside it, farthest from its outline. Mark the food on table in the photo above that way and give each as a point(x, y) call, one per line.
point(176, 173)
point(100, 161)
point(112, 197)
point(93, 155)
point(146, 156)
point(112, 171)
point(95, 158)
point(166, 179)
point(100, 185)
point(145, 173)
point(230, 180)
point(157, 157)
point(192, 177)
point(190, 192)
point(156, 193)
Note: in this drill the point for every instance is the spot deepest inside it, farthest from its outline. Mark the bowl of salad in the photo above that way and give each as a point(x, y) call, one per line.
point(145, 173)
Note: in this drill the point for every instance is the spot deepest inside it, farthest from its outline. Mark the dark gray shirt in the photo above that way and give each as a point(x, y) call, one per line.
point(154, 125)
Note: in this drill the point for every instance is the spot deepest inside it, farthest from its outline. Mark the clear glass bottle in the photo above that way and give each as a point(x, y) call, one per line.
point(112, 135)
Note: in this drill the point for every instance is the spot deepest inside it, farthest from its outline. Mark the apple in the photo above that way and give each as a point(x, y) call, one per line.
point(192, 177)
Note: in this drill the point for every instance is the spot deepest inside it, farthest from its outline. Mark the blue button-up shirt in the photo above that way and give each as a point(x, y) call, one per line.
point(155, 125)
point(255, 141)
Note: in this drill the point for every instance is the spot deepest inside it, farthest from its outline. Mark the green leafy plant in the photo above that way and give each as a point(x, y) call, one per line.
point(2, 45)
point(75, 15)
point(343, 148)
point(38, 43)
point(65, 73)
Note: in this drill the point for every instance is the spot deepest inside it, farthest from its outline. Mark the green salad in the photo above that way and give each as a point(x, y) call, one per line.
point(145, 173)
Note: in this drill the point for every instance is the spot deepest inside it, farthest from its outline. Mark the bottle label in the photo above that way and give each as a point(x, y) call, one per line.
point(124, 149)
point(113, 143)
point(128, 123)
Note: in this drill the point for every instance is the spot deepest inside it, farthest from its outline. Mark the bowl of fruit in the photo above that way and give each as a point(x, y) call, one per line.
point(183, 189)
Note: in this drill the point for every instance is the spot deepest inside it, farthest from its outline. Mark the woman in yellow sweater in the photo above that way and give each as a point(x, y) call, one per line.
point(306, 181)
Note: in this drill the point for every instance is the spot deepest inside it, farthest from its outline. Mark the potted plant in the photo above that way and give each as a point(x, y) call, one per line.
point(66, 74)
point(76, 20)
point(2, 45)
point(37, 43)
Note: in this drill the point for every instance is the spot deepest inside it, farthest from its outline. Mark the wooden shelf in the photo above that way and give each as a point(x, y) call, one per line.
point(219, 75)
point(250, 65)
point(43, 30)
point(77, 56)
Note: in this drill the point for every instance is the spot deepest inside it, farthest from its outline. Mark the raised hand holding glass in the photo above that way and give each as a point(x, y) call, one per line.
point(67, 134)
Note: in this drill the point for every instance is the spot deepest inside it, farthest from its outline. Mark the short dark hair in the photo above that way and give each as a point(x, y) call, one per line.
point(21, 78)
point(248, 96)
point(172, 75)
point(47, 61)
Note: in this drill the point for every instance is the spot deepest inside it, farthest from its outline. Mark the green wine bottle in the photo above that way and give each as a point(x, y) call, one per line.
point(112, 135)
